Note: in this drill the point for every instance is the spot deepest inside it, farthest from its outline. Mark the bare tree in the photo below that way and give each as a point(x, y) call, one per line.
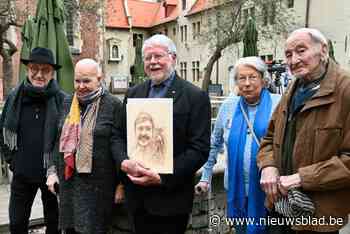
point(7, 47)
point(226, 20)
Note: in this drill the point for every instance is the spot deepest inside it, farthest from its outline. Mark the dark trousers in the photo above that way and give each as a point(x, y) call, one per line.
point(21, 200)
point(146, 223)
point(71, 231)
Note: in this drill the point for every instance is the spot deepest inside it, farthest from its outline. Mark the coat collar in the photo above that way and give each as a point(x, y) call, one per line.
point(324, 95)
point(174, 91)
point(327, 87)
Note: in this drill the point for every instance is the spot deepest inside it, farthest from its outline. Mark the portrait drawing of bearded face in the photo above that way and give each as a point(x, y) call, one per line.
point(144, 133)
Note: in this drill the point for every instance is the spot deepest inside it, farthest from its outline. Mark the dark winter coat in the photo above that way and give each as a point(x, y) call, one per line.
point(26, 160)
point(86, 200)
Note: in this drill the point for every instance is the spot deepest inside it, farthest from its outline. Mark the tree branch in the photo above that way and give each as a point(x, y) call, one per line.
point(12, 47)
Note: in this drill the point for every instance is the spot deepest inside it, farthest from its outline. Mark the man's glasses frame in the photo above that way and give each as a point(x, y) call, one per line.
point(44, 68)
point(156, 56)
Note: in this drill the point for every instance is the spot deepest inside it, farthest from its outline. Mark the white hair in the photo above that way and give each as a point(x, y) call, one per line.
point(90, 62)
point(160, 39)
point(316, 36)
point(256, 62)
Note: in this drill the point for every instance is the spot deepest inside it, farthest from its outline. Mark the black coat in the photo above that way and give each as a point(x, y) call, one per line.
point(27, 160)
point(191, 144)
point(86, 200)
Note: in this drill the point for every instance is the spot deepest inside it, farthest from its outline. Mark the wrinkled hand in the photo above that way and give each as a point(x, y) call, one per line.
point(119, 194)
point(269, 183)
point(287, 182)
point(131, 167)
point(51, 181)
point(146, 177)
point(268, 203)
point(201, 188)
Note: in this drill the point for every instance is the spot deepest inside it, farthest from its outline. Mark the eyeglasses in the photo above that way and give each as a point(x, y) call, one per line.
point(251, 79)
point(156, 56)
point(45, 69)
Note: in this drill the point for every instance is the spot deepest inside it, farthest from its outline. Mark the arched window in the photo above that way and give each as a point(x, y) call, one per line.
point(115, 54)
point(115, 51)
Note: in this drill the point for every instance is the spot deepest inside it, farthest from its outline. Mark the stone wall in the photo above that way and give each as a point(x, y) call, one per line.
point(207, 214)
point(209, 210)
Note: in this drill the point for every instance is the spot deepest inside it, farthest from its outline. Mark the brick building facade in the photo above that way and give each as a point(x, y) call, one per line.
point(87, 15)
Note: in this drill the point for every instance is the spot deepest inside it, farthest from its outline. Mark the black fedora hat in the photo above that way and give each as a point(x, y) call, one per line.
point(41, 55)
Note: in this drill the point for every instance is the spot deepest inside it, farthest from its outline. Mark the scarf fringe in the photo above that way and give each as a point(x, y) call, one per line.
point(10, 138)
point(51, 171)
point(48, 158)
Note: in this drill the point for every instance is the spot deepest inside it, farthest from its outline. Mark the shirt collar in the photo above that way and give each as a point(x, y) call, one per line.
point(166, 82)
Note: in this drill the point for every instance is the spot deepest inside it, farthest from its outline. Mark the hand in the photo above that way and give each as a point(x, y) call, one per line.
point(119, 194)
point(201, 188)
point(268, 203)
point(51, 181)
point(131, 167)
point(287, 182)
point(269, 183)
point(146, 177)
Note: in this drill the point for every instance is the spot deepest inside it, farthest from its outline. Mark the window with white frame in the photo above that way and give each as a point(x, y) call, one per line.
point(114, 49)
point(269, 13)
point(136, 36)
point(184, 4)
point(183, 70)
point(195, 71)
point(183, 31)
point(196, 29)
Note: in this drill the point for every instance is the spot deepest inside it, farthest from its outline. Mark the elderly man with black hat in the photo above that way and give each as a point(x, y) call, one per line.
point(28, 126)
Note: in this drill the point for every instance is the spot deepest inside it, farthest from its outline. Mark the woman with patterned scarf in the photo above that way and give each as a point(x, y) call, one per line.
point(241, 123)
point(85, 161)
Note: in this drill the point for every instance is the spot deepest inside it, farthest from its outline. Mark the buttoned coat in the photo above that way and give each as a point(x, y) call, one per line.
point(321, 153)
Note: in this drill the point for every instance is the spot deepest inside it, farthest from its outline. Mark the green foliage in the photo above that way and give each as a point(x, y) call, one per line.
point(225, 20)
point(250, 39)
point(139, 74)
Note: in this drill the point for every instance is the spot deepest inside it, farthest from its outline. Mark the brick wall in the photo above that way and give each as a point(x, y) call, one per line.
point(88, 25)
point(89, 31)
